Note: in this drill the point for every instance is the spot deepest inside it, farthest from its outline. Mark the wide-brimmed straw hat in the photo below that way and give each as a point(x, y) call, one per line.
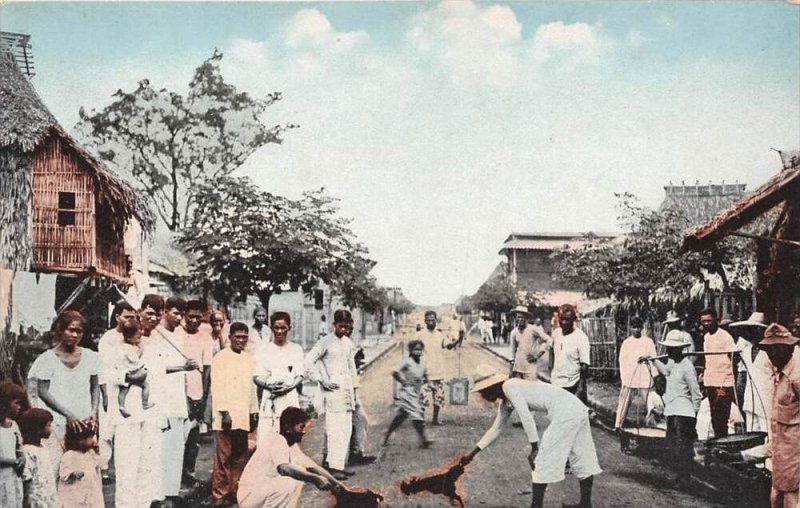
point(521, 309)
point(672, 317)
point(484, 377)
point(777, 334)
point(672, 341)
point(756, 319)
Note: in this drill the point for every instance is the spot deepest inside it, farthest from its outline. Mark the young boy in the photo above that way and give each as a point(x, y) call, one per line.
point(130, 362)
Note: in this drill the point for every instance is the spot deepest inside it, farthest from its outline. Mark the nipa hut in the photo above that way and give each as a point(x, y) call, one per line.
point(61, 210)
point(778, 251)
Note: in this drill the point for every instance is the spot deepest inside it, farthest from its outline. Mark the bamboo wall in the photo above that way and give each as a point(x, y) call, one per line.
point(71, 248)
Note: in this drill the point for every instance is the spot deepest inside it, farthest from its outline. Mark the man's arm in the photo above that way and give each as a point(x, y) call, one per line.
point(309, 363)
point(305, 475)
point(504, 411)
point(694, 388)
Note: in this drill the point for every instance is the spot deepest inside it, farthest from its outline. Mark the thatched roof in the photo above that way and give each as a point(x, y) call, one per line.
point(780, 187)
point(25, 123)
point(24, 119)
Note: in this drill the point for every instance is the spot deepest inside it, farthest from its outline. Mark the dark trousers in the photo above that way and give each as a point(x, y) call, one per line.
point(719, 401)
point(681, 435)
point(192, 447)
point(579, 390)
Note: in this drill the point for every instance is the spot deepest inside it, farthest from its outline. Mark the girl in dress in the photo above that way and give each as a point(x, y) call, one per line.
point(79, 483)
point(411, 374)
point(41, 463)
point(13, 400)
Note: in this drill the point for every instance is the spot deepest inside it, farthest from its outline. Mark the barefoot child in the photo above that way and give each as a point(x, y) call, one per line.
point(79, 483)
point(411, 374)
point(130, 361)
point(41, 463)
point(12, 460)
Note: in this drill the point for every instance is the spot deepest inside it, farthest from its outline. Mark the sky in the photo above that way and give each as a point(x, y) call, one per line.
point(443, 127)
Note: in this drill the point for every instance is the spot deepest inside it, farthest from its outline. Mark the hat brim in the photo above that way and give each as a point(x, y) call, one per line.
point(674, 344)
point(489, 381)
point(754, 324)
point(771, 341)
point(672, 320)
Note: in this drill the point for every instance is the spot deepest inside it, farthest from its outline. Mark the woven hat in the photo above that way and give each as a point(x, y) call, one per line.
point(521, 309)
point(672, 317)
point(777, 334)
point(672, 341)
point(484, 377)
point(756, 319)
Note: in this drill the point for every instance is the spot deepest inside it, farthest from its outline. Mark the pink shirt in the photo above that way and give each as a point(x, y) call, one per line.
point(719, 368)
point(200, 348)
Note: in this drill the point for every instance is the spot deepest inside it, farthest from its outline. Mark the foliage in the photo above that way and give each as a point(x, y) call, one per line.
point(247, 241)
point(498, 294)
point(400, 304)
point(648, 267)
point(171, 144)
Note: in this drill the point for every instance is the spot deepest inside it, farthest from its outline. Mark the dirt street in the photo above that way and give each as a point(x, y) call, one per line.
point(498, 474)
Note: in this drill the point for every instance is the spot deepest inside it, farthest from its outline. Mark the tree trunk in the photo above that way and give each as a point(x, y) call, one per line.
point(264, 297)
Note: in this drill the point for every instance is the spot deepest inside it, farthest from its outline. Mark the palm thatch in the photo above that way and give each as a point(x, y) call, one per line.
point(698, 203)
point(25, 125)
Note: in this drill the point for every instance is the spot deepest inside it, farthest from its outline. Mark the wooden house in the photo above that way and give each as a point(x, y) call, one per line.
point(62, 210)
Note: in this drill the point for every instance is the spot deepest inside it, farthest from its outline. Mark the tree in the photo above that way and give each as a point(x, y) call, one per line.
point(498, 294)
point(649, 264)
point(247, 241)
point(170, 143)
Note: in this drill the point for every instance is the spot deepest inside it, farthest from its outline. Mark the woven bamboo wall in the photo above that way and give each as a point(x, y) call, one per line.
point(56, 247)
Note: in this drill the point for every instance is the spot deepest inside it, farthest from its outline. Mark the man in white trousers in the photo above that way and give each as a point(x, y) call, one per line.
point(338, 380)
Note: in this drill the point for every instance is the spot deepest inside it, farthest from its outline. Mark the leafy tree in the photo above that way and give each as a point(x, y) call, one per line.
point(498, 294)
point(400, 304)
point(247, 241)
point(648, 264)
point(170, 143)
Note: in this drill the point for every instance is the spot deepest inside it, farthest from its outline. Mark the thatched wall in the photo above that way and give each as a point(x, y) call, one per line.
point(16, 241)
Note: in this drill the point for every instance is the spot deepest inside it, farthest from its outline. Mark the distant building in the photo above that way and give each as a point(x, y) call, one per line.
point(528, 257)
point(701, 202)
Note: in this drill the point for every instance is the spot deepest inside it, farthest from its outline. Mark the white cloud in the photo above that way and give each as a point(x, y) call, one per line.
point(310, 28)
point(574, 44)
point(635, 38)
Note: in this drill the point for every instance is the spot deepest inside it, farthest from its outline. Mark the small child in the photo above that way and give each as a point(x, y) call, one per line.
point(79, 482)
point(411, 374)
point(130, 360)
point(655, 405)
point(41, 463)
point(13, 400)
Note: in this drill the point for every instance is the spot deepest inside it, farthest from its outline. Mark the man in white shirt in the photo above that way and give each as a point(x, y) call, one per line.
point(338, 380)
point(571, 353)
point(567, 437)
point(439, 363)
point(279, 371)
point(634, 375)
point(167, 341)
point(755, 373)
point(107, 349)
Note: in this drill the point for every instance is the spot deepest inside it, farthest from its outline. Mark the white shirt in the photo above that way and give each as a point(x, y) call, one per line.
point(70, 387)
point(569, 351)
point(524, 396)
point(759, 387)
point(168, 390)
point(338, 366)
point(107, 349)
point(278, 364)
point(261, 471)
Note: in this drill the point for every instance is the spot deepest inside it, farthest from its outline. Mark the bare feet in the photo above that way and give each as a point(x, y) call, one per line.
point(148, 405)
point(124, 412)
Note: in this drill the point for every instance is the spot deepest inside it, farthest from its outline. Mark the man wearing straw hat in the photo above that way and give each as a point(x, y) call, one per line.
point(567, 437)
point(755, 373)
point(531, 360)
point(673, 330)
point(681, 403)
point(784, 432)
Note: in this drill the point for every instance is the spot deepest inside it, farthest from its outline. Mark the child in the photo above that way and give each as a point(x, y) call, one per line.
point(130, 360)
point(41, 464)
point(411, 374)
point(655, 405)
point(13, 400)
point(79, 483)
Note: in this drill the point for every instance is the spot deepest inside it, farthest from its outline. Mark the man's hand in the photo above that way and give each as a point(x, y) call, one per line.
point(191, 365)
point(328, 386)
point(322, 483)
point(532, 455)
point(19, 464)
point(226, 421)
point(136, 377)
point(644, 359)
point(253, 422)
